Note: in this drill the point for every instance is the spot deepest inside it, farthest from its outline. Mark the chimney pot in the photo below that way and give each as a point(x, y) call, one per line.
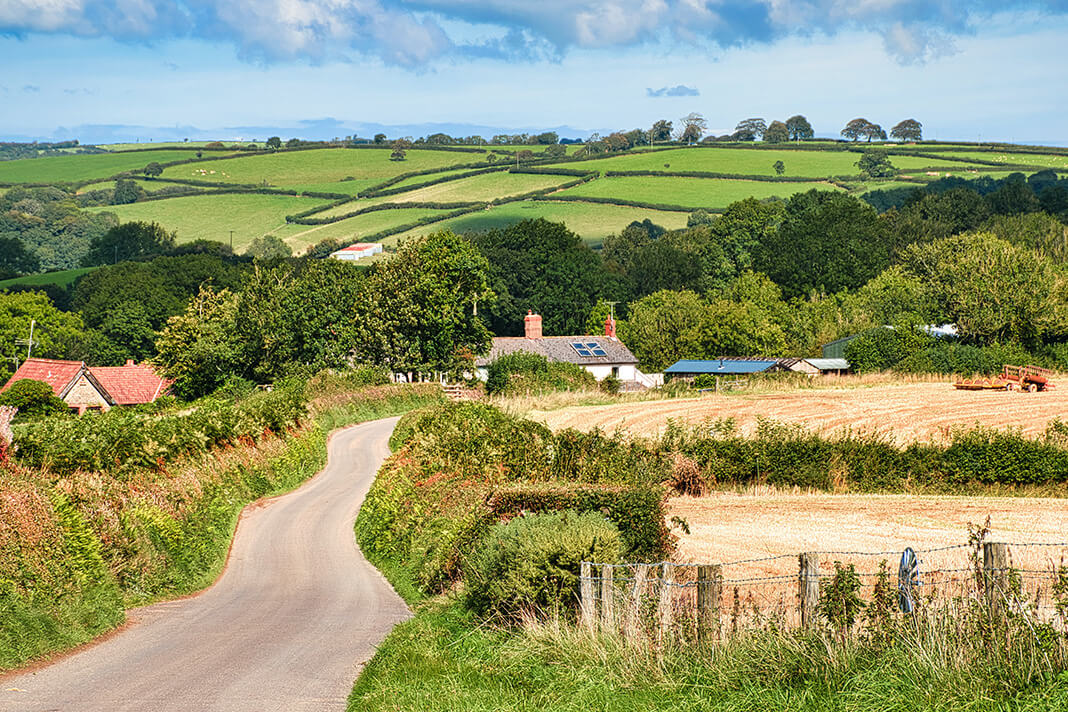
point(532, 325)
point(129, 362)
point(610, 327)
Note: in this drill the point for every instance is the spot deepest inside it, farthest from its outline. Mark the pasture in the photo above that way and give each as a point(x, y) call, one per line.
point(212, 217)
point(78, 168)
point(63, 278)
point(901, 413)
point(712, 193)
point(360, 227)
point(481, 188)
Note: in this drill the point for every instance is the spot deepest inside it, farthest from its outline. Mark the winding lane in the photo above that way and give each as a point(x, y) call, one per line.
point(287, 626)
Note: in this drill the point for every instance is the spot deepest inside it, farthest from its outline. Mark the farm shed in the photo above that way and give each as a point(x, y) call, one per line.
point(689, 369)
point(357, 251)
point(829, 366)
point(94, 388)
point(602, 356)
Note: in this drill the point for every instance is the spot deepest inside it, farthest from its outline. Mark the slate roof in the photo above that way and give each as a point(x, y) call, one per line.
point(61, 375)
point(558, 349)
point(131, 384)
point(722, 366)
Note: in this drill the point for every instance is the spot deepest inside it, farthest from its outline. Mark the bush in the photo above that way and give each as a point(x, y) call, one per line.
point(882, 348)
point(531, 564)
point(33, 399)
point(532, 374)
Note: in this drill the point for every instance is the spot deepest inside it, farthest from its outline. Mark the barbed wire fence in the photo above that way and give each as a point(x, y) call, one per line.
point(717, 600)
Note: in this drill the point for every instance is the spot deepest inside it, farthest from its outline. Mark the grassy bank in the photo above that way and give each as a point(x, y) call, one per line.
point(77, 549)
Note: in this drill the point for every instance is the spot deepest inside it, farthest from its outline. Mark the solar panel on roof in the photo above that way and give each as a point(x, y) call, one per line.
point(582, 349)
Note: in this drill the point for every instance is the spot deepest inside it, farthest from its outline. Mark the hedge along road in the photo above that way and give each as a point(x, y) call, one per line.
point(286, 627)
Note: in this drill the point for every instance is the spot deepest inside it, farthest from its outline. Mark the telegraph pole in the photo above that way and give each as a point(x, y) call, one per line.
point(28, 343)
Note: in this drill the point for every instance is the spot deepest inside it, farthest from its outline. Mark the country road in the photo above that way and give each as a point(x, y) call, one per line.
point(286, 627)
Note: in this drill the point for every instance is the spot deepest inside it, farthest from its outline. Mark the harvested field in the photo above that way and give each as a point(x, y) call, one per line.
point(727, 527)
point(913, 412)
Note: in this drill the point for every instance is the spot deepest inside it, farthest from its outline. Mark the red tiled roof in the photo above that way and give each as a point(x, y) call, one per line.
point(56, 373)
point(131, 384)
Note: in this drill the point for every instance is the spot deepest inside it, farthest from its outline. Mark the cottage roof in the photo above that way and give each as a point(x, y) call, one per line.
point(131, 384)
point(60, 375)
point(559, 349)
point(722, 366)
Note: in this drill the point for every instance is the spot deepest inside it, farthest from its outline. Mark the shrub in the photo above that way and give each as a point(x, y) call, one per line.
point(533, 374)
point(33, 399)
point(531, 564)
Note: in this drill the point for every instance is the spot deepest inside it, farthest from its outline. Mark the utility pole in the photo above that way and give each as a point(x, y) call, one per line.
point(231, 242)
point(28, 343)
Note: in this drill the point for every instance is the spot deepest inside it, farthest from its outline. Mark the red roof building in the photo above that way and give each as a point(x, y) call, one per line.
point(84, 388)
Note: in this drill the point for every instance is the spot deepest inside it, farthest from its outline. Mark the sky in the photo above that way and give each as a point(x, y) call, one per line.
point(103, 70)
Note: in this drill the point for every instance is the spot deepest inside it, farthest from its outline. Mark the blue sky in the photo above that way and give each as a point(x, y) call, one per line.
point(153, 69)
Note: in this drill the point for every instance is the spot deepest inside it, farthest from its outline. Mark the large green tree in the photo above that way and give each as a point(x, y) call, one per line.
point(15, 259)
point(56, 334)
point(197, 347)
point(129, 241)
point(664, 327)
point(777, 132)
point(907, 130)
point(799, 128)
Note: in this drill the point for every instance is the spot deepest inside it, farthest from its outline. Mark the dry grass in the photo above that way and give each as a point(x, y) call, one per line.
point(904, 412)
point(731, 527)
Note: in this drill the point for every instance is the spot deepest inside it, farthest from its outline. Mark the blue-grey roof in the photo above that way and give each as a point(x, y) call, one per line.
point(721, 366)
point(829, 364)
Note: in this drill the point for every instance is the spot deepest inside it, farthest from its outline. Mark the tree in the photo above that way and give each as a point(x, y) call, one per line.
point(126, 192)
point(661, 131)
point(129, 241)
point(197, 348)
point(874, 131)
point(547, 139)
point(699, 217)
point(380, 138)
point(693, 127)
point(15, 259)
point(856, 129)
point(524, 156)
point(664, 327)
point(293, 143)
point(555, 151)
point(779, 167)
point(741, 229)
point(417, 311)
point(268, 247)
point(799, 128)
point(1014, 197)
point(827, 242)
point(274, 142)
point(875, 164)
point(33, 399)
point(908, 130)
point(749, 130)
point(400, 149)
point(153, 169)
point(56, 333)
point(777, 133)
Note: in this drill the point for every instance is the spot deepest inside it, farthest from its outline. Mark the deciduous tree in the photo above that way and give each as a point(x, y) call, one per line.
point(907, 130)
point(799, 128)
point(749, 130)
point(776, 132)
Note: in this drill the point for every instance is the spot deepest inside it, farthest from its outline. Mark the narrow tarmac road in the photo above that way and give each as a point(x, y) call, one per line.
point(287, 626)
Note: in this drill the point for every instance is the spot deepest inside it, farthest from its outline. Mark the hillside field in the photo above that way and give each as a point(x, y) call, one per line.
point(76, 168)
point(902, 413)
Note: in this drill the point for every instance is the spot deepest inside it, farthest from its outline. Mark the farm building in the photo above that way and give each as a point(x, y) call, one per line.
point(98, 388)
point(603, 356)
point(689, 368)
point(815, 366)
point(357, 251)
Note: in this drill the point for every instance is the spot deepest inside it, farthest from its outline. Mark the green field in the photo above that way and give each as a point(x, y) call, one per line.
point(740, 161)
point(300, 237)
point(482, 188)
point(149, 186)
point(120, 147)
point(419, 180)
point(212, 217)
point(593, 222)
point(77, 168)
point(1059, 162)
point(689, 192)
point(317, 166)
point(62, 278)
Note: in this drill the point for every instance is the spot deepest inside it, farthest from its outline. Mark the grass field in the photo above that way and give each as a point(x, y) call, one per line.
point(418, 180)
point(319, 166)
point(904, 412)
point(740, 161)
point(119, 147)
point(63, 278)
point(300, 237)
point(592, 222)
point(480, 188)
point(1025, 159)
point(689, 192)
point(77, 168)
point(149, 186)
point(212, 217)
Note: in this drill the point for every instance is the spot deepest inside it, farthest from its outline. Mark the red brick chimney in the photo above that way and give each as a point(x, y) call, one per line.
point(532, 325)
point(610, 327)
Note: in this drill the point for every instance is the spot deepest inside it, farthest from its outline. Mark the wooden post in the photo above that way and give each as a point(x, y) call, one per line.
point(809, 588)
point(663, 611)
point(608, 599)
point(709, 590)
point(632, 619)
point(587, 605)
point(995, 574)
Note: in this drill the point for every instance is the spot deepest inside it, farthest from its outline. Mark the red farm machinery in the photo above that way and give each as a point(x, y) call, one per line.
point(1011, 378)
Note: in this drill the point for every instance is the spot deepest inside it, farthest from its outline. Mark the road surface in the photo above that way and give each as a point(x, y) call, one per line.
point(286, 627)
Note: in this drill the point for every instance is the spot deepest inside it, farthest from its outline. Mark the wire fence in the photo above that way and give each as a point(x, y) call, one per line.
point(785, 590)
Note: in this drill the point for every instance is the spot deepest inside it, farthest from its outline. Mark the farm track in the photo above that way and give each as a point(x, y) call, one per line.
point(903, 414)
point(286, 627)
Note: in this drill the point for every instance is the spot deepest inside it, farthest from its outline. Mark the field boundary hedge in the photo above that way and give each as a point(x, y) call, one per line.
point(629, 203)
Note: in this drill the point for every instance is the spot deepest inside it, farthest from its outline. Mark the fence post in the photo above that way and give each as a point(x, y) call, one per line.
point(809, 588)
point(587, 605)
point(632, 618)
point(667, 578)
point(709, 589)
point(995, 574)
point(608, 599)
